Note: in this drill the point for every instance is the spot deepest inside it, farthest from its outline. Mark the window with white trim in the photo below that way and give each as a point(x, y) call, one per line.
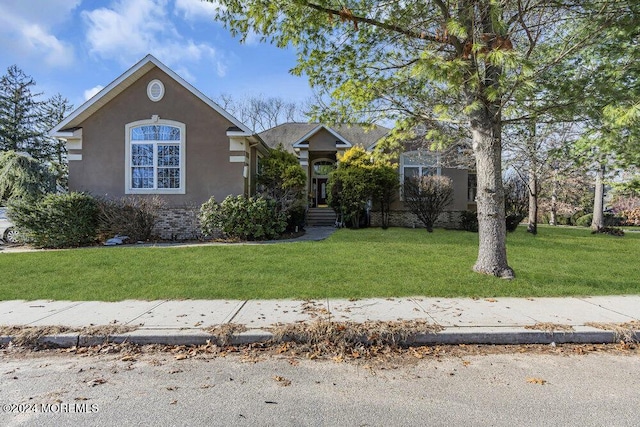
point(418, 163)
point(415, 164)
point(155, 90)
point(155, 157)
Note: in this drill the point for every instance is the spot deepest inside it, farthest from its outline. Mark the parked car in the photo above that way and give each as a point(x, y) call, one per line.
point(8, 232)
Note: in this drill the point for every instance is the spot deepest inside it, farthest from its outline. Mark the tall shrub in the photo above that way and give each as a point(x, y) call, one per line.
point(385, 188)
point(361, 177)
point(57, 220)
point(427, 197)
point(282, 179)
point(243, 218)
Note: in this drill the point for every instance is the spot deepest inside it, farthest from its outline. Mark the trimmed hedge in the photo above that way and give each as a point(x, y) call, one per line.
point(57, 220)
point(243, 218)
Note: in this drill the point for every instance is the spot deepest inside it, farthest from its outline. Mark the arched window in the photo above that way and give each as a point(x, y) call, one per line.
point(155, 157)
point(323, 167)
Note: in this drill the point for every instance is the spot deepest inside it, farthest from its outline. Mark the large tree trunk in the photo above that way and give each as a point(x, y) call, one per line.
point(487, 146)
point(533, 200)
point(598, 203)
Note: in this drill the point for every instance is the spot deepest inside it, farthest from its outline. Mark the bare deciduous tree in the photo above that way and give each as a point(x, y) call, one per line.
point(261, 113)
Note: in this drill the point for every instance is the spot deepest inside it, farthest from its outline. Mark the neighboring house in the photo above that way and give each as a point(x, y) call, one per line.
point(150, 133)
point(318, 148)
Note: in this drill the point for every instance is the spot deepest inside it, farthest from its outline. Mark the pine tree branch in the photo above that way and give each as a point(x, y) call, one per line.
point(347, 14)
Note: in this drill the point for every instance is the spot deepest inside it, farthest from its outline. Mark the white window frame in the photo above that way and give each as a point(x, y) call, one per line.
point(182, 163)
point(159, 84)
point(420, 167)
point(320, 160)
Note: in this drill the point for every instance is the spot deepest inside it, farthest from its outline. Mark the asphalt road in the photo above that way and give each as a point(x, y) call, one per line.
point(57, 389)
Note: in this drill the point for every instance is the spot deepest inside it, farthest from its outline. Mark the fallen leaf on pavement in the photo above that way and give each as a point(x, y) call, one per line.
point(282, 380)
point(98, 381)
point(536, 381)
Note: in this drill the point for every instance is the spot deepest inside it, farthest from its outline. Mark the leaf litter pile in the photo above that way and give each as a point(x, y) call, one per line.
point(382, 344)
point(30, 335)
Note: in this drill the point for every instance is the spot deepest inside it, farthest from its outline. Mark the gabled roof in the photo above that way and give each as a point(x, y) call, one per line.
point(119, 85)
point(304, 140)
point(294, 135)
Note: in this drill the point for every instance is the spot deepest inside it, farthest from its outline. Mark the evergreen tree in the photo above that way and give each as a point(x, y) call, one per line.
point(25, 122)
point(23, 177)
point(54, 151)
point(20, 114)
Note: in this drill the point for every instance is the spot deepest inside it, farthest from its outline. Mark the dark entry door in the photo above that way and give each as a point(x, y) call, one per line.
point(321, 191)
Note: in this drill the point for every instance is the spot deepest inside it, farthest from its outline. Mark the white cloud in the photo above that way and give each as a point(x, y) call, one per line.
point(129, 29)
point(90, 93)
point(221, 68)
point(195, 10)
point(27, 30)
point(55, 52)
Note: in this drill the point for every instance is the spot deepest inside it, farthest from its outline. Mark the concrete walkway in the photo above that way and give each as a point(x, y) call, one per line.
point(448, 321)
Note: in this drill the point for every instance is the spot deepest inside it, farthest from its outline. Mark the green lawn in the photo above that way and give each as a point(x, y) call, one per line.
point(350, 264)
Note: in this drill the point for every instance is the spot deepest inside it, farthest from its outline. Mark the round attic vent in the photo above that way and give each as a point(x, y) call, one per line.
point(155, 90)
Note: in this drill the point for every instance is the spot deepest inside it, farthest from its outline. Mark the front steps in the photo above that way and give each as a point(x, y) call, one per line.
point(321, 217)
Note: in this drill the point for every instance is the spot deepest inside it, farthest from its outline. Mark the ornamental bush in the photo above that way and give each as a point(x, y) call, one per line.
point(134, 217)
point(57, 220)
point(282, 179)
point(427, 197)
point(253, 218)
point(361, 177)
point(631, 216)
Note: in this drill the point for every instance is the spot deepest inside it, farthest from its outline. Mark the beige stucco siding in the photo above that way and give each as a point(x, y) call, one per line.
point(208, 170)
point(322, 141)
point(459, 178)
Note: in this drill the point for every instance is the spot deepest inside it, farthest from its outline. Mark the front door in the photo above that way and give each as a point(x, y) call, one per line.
point(321, 191)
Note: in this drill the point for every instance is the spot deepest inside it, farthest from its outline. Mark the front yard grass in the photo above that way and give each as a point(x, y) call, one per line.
point(350, 264)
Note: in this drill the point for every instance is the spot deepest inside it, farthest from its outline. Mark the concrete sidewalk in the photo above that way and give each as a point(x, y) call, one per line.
point(459, 320)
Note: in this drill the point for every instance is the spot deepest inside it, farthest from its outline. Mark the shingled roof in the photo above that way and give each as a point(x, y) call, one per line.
point(288, 134)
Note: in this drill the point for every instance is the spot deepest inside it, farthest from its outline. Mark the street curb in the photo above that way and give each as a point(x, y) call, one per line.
point(448, 336)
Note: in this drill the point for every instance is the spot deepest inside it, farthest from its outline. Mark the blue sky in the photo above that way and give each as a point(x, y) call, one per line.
point(76, 47)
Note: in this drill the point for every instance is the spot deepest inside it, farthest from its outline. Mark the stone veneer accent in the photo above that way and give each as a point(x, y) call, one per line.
point(448, 219)
point(178, 224)
point(183, 223)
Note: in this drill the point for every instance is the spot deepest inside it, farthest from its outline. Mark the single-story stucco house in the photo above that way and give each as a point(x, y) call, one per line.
point(151, 133)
